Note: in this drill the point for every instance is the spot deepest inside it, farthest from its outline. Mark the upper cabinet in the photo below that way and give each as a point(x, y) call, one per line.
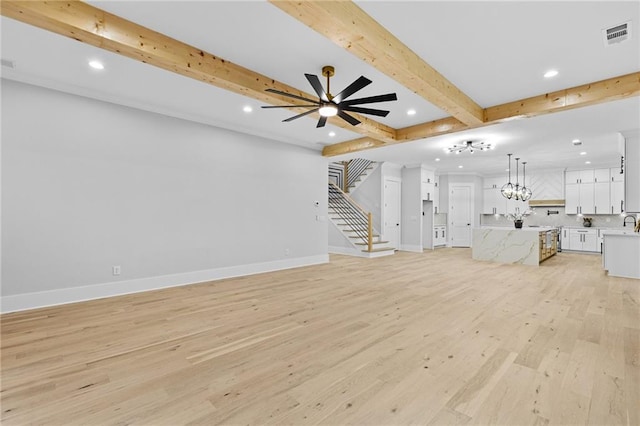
point(617, 191)
point(495, 203)
point(601, 192)
point(428, 185)
point(436, 195)
point(598, 191)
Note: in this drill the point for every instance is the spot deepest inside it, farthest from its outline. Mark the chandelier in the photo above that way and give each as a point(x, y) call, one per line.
point(469, 146)
point(517, 192)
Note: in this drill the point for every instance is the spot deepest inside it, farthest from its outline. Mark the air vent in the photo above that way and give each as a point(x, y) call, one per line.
point(617, 34)
point(8, 63)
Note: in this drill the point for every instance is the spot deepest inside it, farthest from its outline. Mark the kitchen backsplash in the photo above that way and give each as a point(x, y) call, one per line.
point(540, 217)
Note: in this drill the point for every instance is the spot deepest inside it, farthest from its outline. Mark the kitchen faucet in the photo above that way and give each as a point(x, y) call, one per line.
point(624, 222)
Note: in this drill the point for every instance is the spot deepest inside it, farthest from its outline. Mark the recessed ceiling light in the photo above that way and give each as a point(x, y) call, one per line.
point(96, 65)
point(583, 153)
point(332, 134)
point(247, 108)
point(437, 159)
point(459, 167)
point(411, 112)
point(550, 73)
point(587, 162)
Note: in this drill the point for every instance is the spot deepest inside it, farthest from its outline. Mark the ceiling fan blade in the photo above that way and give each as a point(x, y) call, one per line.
point(317, 86)
point(322, 121)
point(360, 83)
point(290, 95)
point(371, 99)
point(301, 115)
point(378, 112)
point(290, 106)
point(346, 117)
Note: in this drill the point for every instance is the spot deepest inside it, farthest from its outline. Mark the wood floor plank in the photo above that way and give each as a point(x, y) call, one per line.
point(431, 338)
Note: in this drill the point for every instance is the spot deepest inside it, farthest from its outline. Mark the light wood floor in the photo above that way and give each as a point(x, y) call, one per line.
point(432, 338)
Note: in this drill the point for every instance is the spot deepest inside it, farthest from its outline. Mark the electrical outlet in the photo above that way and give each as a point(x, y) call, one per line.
point(287, 252)
point(115, 270)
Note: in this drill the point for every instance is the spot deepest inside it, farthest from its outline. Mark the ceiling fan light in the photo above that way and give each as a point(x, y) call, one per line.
point(328, 110)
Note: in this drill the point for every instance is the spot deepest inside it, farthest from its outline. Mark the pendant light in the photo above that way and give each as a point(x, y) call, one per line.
point(526, 192)
point(517, 189)
point(507, 188)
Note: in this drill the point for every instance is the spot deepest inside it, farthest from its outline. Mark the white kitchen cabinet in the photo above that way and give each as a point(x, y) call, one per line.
point(579, 176)
point(572, 198)
point(601, 175)
point(428, 190)
point(428, 185)
point(615, 174)
point(440, 235)
point(587, 198)
point(601, 192)
point(587, 176)
point(493, 202)
point(564, 239)
point(583, 240)
point(617, 197)
point(602, 198)
point(616, 190)
point(493, 183)
point(589, 192)
point(516, 206)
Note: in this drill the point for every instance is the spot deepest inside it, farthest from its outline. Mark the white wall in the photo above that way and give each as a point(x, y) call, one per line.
point(412, 209)
point(632, 172)
point(88, 184)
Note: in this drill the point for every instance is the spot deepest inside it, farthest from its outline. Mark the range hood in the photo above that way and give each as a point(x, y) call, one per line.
point(546, 203)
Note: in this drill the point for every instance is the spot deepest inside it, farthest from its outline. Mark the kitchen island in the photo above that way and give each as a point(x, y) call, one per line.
point(527, 246)
point(621, 254)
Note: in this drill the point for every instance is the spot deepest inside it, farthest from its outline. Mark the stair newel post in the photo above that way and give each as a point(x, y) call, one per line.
point(370, 231)
point(345, 179)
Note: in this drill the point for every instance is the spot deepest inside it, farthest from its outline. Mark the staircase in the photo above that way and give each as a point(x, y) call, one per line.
point(356, 225)
point(348, 174)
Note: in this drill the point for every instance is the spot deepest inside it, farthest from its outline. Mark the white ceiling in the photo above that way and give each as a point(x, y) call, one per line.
point(495, 52)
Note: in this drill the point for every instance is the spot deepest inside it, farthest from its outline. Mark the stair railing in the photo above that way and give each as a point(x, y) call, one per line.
point(346, 173)
point(356, 168)
point(360, 222)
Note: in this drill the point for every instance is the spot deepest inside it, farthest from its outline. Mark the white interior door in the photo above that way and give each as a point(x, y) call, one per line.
point(391, 231)
point(461, 215)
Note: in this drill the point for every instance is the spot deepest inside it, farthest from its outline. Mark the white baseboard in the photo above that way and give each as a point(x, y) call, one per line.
point(21, 302)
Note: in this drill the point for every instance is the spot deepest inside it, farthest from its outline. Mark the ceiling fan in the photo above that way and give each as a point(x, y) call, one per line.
point(328, 105)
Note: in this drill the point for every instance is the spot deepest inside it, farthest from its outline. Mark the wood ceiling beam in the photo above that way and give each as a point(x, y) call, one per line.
point(99, 28)
point(354, 145)
point(348, 26)
point(612, 89)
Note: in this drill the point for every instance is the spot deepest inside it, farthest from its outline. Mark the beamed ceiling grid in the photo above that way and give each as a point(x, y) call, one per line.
point(346, 25)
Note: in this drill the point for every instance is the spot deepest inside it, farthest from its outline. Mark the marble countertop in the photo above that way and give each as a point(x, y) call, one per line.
point(630, 235)
point(524, 228)
point(602, 228)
